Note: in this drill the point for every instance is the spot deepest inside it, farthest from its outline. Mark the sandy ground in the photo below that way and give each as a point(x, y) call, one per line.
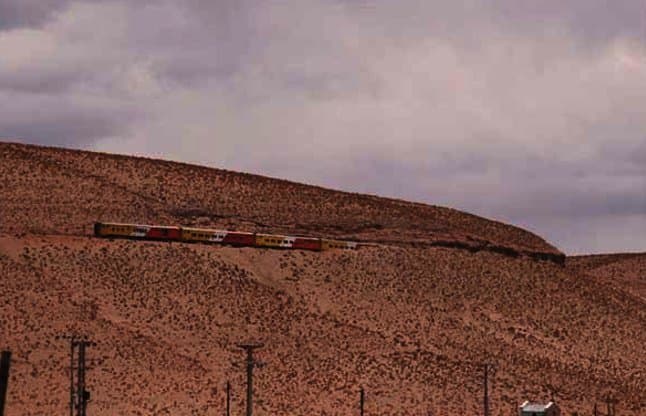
point(410, 324)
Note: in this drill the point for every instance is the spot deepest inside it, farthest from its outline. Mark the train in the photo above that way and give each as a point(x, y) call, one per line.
point(224, 237)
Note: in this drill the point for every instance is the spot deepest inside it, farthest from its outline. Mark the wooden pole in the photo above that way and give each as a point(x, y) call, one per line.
point(5, 363)
point(228, 398)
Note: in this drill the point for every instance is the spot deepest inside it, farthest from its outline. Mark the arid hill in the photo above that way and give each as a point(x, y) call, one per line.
point(624, 271)
point(410, 320)
point(65, 191)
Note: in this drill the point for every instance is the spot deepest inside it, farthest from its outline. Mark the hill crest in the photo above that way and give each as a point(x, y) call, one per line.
point(132, 189)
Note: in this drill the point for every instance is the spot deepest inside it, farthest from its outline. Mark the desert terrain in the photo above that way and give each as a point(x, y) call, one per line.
point(411, 318)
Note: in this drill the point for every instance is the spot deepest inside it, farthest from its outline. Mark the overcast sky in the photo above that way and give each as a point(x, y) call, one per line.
point(532, 112)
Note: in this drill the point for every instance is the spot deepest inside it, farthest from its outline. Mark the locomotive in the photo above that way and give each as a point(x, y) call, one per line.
point(208, 236)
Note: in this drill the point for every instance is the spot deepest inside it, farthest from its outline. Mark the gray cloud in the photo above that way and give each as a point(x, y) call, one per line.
point(63, 120)
point(525, 112)
point(590, 21)
point(15, 14)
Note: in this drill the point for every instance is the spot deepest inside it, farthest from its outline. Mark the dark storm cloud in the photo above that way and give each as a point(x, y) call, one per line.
point(63, 120)
point(64, 130)
point(27, 13)
point(37, 82)
point(528, 112)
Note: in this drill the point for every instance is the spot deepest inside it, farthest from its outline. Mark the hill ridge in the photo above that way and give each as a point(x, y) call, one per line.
point(510, 239)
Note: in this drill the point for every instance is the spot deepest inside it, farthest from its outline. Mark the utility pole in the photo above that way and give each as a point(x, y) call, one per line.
point(486, 389)
point(249, 348)
point(82, 395)
point(610, 405)
point(228, 398)
point(72, 338)
point(5, 363)
point(362, 400)
point(79, 395)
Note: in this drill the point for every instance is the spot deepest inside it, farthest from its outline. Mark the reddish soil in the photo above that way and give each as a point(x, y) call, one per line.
point(409, 322)
point(65, 191)
point(625, 271)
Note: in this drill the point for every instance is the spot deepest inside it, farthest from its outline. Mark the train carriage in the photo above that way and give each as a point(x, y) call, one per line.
point(336, 244)
point(307, 243)
point(117, 230)
point(237, 238)
point(156, 232)
point(203, 235)
point(144, 232)
point(217, 236)
point(275, 241)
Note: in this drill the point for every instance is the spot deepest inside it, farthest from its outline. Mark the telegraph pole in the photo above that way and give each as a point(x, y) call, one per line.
point(82, 395)
point(72, 339)
point(5, 363)
point(79, 395)
point(362, 399)
point(228, 398)
point(249, 348)
point(486, 389)
point(72, 348)
point(610, 405)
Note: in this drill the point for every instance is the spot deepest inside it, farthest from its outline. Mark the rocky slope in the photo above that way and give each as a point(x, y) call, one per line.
point(409, 321)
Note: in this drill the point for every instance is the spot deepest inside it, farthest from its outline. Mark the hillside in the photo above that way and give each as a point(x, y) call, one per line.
point(54, 191)
point(626, 271)
point(407, 319)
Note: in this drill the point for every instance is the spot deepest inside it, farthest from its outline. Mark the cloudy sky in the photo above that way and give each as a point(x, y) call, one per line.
point(532, 112)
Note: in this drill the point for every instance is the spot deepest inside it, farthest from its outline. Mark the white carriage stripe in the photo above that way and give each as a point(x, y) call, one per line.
point(218, 236)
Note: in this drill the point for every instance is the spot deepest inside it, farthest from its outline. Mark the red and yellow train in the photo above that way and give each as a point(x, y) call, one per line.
point(208, 236)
